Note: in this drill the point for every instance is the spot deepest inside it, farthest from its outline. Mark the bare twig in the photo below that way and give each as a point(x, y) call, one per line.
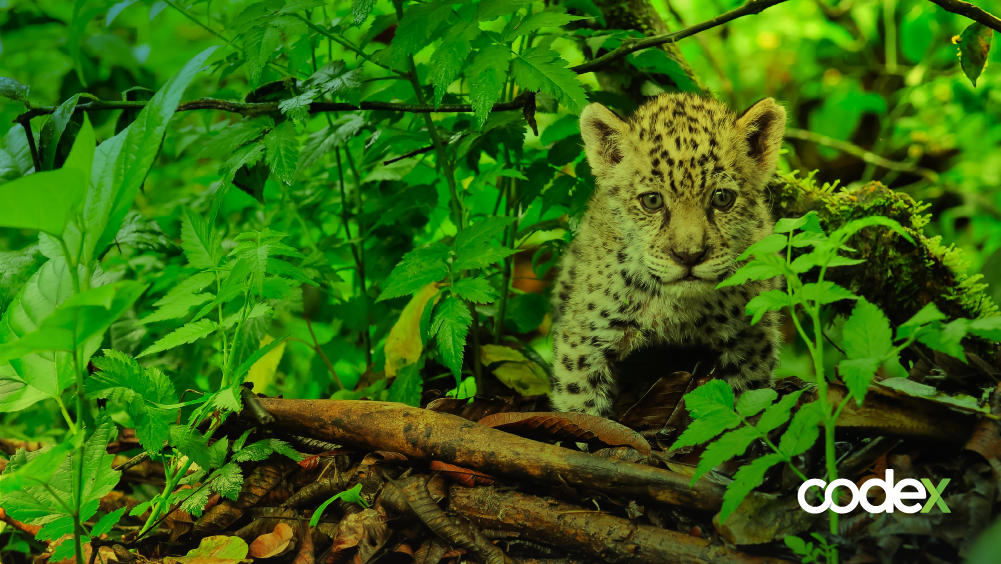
point(867, 156)
point(970, 11)
point(31, 146)
point(413, 153)
point(628, 46)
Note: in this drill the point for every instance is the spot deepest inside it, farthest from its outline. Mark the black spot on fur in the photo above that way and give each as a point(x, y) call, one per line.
point(573, 388)
point(591, 306)
point(589, 404)
point(567, 363)
point(581, 362)
point(622, 257)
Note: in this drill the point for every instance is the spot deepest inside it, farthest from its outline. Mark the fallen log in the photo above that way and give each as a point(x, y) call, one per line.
point(427, 435)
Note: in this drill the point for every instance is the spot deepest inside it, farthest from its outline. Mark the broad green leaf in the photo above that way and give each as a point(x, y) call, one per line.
point(325, 140)
point(726, 447)
point(838, 260)
point(852, 227)
point(121, 379)
point(105, 523)
point(475, 290)
point(288, 270)
point(283, 151)
point(753, 401)
point(796, 544)
point(418, 268)
point(866, 333)
point(769, 245)
point(195, 446)
point(707, 428)
point(525, 312)
point(235, 136)
point(262, 449)
point(566, 127)
point(772, 300)
point(927, 314)
point(542, 69)
point(350, 495)
point(929, 393)
point(761, 268)
point(805, 262)
point(808, 239)
point(489, 10)
point(450, 56)
point(293, 6)
point(187, 333)
point(360, 9)
point(481, 257)
point(826, 292)
point(53, 130)
point(407, 386)
point(333, 79)
point(258, 48)
point(803, 430)
point(777, 413)
point(177, 308)
point(258, 354)
point(785, 225)
point(481, 233)
point(24, 472)
point(15, 155)
point(974, 45)
point(450, 324)
point(414, 33)
point(746, 479)
point(200, 241)
point(857, 373)
point(715, 395)
point(540, 20)
point(45, 201)
point(986, 327)
point(13, 90)
point(487, 74)
point(947, 337)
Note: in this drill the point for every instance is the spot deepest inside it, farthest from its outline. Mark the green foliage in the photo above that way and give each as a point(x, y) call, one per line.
point(350, 495)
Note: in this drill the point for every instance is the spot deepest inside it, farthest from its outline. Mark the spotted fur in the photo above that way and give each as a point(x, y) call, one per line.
point(622, 281)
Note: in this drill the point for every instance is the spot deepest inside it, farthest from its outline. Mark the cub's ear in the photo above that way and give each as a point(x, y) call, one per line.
point(604, 138)
point(763, 126)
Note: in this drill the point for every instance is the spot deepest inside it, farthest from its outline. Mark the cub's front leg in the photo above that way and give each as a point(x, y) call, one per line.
point(584, 350)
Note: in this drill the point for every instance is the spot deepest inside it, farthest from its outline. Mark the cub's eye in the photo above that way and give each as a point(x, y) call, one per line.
point(723, 199)
point(652, 201)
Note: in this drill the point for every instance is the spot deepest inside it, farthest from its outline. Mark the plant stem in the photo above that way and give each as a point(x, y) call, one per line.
point(366, 337)
point(323, 355)
point(222, 331)
point(347, 45)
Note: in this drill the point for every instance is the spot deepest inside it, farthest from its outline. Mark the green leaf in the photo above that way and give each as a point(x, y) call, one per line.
point(927, 314)
point(325, 140)
point(785, 225)
point(258, 48)
point(542, 69)
point(417, 269)
point(45, 201)
point(352, 495)
point(23, 472)
point(414, 33)
point(262, 449)
point(450, 56)
point(707, 428)
point(236, 135)
point(974, 45)
point(826, 292)
point(121, 379)
point(866, 333)
point(104, 524)
point(525, 312)
point(796, 544)
point(857, 374)
point(777, 413)
point(293, 6)
point(202, 244)
point(53, 130)
point(407, 386)
point(728, 446)
point(803, 430)
point(947, 338)
point(566, 127)
point(482, 257)
point(188, 333)
point(753, 401)
point(746, 479)
point(761, 268)
point(540, 20)
point(258, 355)
point(480, 234)
point(13, 90)
point(772, 300)
point(476, 290)
point(489, 10)
point(360, 9)
point(715, 395)
point(177, 308)
point(487, 74)
point(852, 227)
point(287, 269)
point(808, 239)
point(986, 327)
point(283, 151)
point(450, 324)
point(334, 80)
point(769, 245)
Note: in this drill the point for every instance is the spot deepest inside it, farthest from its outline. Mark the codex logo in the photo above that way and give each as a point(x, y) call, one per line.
point(895, 495)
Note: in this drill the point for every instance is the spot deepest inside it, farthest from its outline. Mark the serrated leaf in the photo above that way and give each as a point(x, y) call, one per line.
point(417, 269)
point(566, 127)
point(866, 333)
point(177, 308)
point(540, 20)
point(407, 386)
point(826, 292)
point(761, 268)
point(857, 373)
point(841, 235)
point(325, 140)
point(753, 401)
point(480, 234)
point(200, 241)
point(283, 151)
point(785, 225)
point(769, 245)
point(297, 107)
point(777, 413)
point(258, 354)
point(707, 428)
point(187, 333)
point(715, 395)
point(746, 479)
point(974, 46)
point(287, 269)
point(772, 300)
point(334, 80)
point(245, 156)
point(258, 48)
point(487, 74)
point(482, 257)
point(728, 446)
point(13, 90)
point(947, 338)
point(928, 314)
point(293, 6)
point(542, 69)
point(475, 290)
point(450, 56)
point(414, 32)
point(803, 430)
point(235, 136)
point(450, 324)
point(360, 9)
point(489, 10)
point(104, 524)
point(986, 327)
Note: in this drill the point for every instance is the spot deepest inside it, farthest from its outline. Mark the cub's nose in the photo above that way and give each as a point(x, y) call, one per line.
point(690, 259)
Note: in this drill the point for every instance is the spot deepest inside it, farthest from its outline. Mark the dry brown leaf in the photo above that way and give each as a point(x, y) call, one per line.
point(463, 476)
point(986, 439)
point(658, 403)
point(579, 427)
point(273, 543)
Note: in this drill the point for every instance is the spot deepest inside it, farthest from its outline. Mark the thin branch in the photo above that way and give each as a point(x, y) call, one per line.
point(252, 109)
point(413, 153)
point(628, 46)
point(31, 146)
point(867, 156)
point(970, 11)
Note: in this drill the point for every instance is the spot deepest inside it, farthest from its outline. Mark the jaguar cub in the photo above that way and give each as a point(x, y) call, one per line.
point(680, 195)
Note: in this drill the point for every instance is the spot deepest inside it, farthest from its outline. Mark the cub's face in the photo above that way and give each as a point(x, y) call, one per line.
point(683, 182)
